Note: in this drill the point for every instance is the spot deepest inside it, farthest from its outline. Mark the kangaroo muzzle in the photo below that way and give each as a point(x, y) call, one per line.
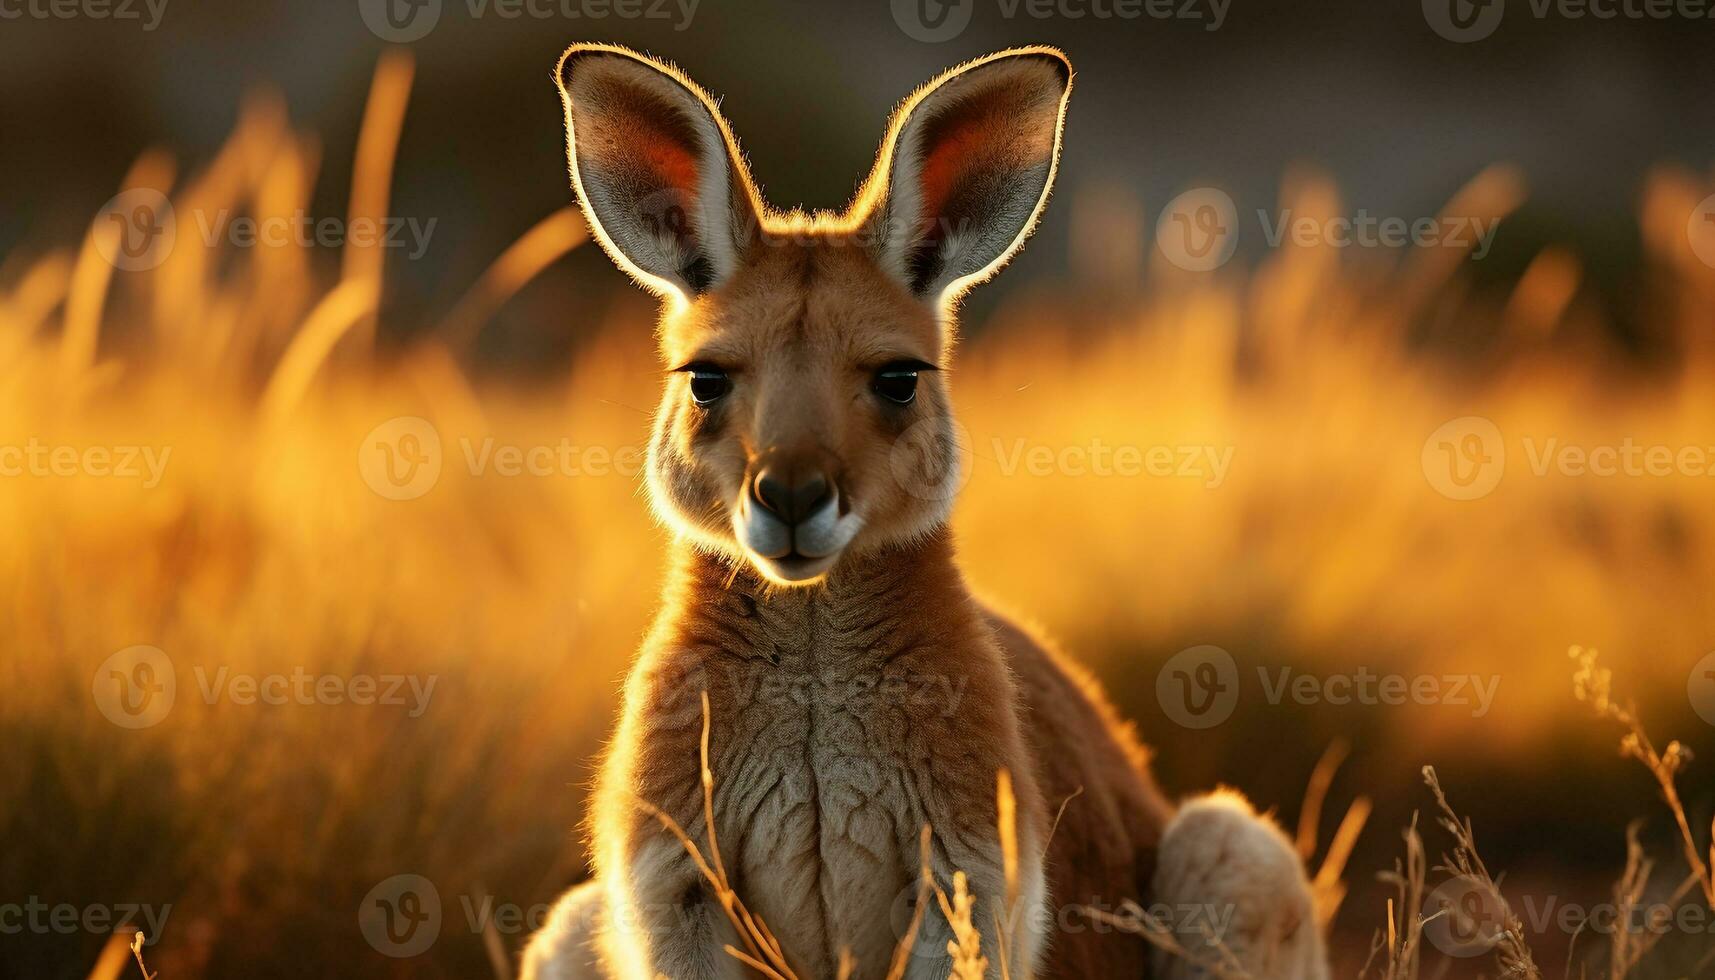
point(793, 521)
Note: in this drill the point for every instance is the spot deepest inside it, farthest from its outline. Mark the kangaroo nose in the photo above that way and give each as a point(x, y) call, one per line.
point(792, 496)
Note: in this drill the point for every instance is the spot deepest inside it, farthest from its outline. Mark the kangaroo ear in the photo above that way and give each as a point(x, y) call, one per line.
point(655, 168)
point(966, 168)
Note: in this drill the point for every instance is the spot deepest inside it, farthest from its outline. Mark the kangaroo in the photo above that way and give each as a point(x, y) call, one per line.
point(804, 457)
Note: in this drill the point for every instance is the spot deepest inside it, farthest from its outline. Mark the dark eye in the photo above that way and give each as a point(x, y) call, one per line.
point(708, 383)
point(897, 382)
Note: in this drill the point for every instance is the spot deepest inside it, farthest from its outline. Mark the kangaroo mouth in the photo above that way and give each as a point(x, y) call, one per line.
point(794, 554)
point(794, 567)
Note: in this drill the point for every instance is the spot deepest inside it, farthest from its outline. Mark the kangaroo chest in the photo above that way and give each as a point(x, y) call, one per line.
point(828, 737)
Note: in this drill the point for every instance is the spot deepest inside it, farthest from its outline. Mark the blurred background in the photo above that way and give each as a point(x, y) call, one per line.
point(1354, 529)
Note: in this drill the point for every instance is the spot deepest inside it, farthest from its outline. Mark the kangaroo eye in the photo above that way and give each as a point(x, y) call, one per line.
point(898, 382)
point(708, 384)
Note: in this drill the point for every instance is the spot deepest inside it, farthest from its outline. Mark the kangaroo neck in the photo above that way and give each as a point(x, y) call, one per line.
point(866, 604)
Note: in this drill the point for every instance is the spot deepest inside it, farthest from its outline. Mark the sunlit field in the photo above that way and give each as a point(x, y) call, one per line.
point(1250, 458)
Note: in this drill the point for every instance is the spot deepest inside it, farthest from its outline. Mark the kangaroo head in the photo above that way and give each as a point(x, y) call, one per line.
point(805, 416)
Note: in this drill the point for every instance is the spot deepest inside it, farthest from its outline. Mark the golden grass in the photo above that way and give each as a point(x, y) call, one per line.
point(1496, 925)
point(262, 550)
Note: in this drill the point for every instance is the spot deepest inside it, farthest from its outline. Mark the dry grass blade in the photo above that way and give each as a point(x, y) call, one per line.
point(762, 951)
point(925, 881)
point(1006, 819)
point(137, 951)
point(1403, 942)
point(1137, 921)
point(1465, 862)
point(1321, 778)
point(111, 963)
point(966, 946)
point(1628, 947)
point(372, 171)
point(535, 250)
point(1327, 887)
point(1594, 686)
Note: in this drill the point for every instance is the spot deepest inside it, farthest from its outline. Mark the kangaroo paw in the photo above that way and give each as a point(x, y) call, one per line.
point(1233, 890)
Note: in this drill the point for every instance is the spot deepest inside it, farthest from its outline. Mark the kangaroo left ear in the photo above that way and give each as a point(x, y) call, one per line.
point(965, 170)
point(656, 169)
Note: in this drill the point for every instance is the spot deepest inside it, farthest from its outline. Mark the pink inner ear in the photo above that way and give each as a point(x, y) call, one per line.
point(945, 165)
point(676, 165)
point(993, 140)
point(664, 159)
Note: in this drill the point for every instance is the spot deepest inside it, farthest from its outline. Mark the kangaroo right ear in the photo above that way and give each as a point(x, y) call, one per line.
point(656, 169)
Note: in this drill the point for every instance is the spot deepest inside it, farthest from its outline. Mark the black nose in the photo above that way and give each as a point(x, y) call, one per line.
point(792, 495)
